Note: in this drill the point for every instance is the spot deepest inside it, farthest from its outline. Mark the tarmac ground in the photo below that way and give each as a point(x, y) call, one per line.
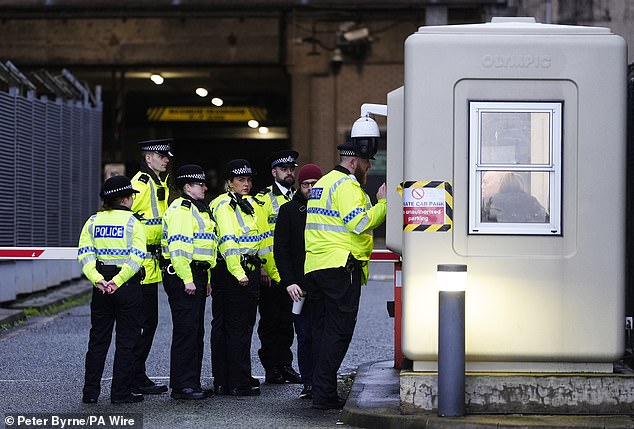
point(374, 397)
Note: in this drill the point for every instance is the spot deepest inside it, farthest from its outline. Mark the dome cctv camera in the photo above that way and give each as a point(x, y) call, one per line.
point(365, 126)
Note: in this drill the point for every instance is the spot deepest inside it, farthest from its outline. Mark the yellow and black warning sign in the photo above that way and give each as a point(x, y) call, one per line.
point(427, 206)
point(206, 113)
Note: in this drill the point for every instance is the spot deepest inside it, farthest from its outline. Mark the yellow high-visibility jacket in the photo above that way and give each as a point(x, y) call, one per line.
point(115, 237)
point(188, 235)
point(273, 199)
point(147, 204)
point(240, 234)
point(339, 222)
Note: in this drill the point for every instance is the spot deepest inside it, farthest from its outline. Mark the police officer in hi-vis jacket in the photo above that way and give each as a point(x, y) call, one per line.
point(111, 253)
point(189, 250)
point(275, 328)
point(151, 203)
point(245, 258)
point(339, 223)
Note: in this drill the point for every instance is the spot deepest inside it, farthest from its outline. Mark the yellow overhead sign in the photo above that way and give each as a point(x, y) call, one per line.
point(206, 113)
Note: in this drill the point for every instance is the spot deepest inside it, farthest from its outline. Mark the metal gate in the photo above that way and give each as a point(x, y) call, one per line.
point(50, 176)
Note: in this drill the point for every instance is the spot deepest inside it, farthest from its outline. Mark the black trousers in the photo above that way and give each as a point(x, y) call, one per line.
point(148, 325)
point(234, 310)
point(188, 321)
point(122, 308)
point(275, 328)
point(333, 296)
point(304, 333)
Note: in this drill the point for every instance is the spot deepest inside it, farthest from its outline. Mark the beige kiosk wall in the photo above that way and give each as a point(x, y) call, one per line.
point(530, 299)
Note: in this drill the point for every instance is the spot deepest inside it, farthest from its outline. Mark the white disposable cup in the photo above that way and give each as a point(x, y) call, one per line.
point(297, 305)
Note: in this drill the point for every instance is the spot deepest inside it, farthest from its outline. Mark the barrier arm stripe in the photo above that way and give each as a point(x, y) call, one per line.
point(40, 253)
point(384, 255)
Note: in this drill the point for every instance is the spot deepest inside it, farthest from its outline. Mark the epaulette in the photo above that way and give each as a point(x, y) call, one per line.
point(260, 203)
point(139, 216)
point(264, 191)
point(187, 204)
point(144, 178)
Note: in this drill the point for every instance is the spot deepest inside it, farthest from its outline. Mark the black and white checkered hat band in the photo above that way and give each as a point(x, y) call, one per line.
point(242, 171)
point(157, 147)
point(347, 152)
point(200, 177)
point(113, 191)
point(285, 160)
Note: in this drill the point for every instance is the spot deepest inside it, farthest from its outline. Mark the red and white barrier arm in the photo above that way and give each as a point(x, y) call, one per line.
point(384, 255)
point(26, 253)
point(40, 253)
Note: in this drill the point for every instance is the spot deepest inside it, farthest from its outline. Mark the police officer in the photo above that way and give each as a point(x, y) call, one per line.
point(189, 251)
point(151, 203)
point(244, 260)
point(276, 324)
point(111, 253)
point(339, 223)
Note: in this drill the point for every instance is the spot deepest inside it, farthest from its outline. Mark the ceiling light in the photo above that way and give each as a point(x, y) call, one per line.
point(356, 35)
point(202, 92)
point(253, 123)
point(217, 101)
point(157, 78)
point(263, 130)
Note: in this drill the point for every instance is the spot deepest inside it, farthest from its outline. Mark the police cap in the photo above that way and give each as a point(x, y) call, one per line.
point(162, 146)
point(190, 173)
point(283, 158)
point(117, 186)
point(361, 147)
point(238, 167)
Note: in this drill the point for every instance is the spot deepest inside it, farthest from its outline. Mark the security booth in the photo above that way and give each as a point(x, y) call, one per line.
point(508, 143)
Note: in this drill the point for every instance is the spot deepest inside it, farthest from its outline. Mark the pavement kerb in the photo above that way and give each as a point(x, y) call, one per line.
point(51, 297)
point(374, 402)
point(8, 316)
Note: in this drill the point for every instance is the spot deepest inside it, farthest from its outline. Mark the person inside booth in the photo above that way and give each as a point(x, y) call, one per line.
point(513, 204)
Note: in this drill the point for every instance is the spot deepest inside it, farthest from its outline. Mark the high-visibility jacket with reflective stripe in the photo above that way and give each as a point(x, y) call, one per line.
point(273, 199)
point(114, 237)
point(148, 205)
point(243, 234)
point(188, 235)
point(339, 221)
point(152, 209)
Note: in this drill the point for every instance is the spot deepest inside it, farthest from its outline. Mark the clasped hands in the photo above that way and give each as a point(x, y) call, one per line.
point(107, 287)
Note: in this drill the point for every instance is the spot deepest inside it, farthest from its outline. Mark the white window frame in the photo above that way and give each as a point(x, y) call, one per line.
point(477, 168)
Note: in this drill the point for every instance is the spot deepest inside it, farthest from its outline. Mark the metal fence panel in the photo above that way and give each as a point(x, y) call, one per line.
point(95, 156)
point(24, 172)
point(84, 163)
point(39, 198)
point(66, 148)
point(54, 172)
point(50, 169)
point(7, 169)
point(76, 168)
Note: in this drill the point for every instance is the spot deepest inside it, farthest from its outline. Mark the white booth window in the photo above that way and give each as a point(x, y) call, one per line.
point(515, 168)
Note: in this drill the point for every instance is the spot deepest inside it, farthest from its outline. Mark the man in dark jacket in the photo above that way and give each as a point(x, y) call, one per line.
point(289, 252)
